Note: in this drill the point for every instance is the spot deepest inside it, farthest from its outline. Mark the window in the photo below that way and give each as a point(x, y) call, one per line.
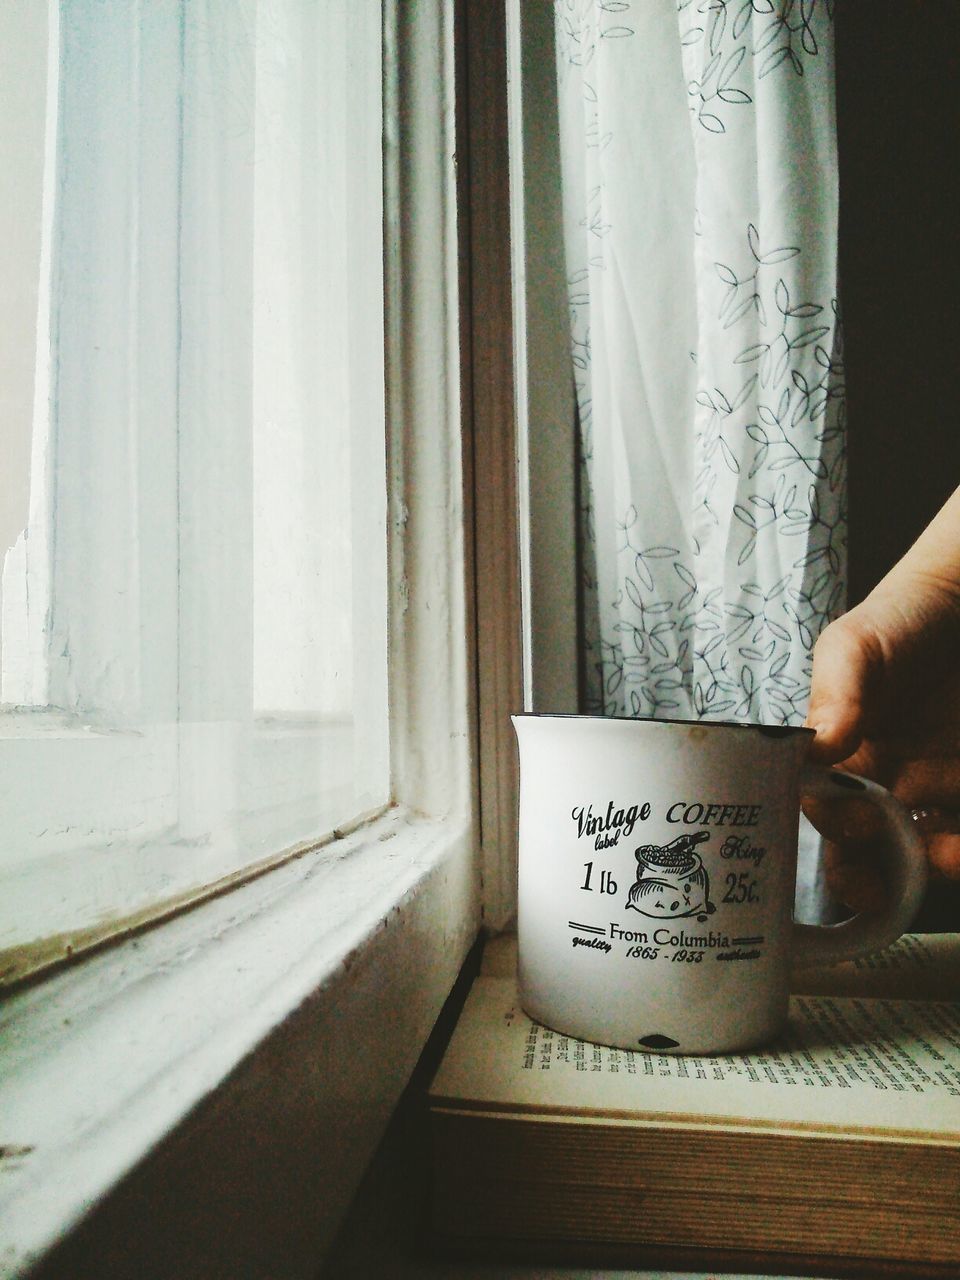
point(194, 590)
point(271, 1000)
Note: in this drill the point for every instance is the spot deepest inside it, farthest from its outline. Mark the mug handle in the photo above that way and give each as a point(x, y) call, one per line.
point(906, 867)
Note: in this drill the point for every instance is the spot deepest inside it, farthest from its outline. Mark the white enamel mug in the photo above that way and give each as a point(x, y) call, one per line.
point(657, 875)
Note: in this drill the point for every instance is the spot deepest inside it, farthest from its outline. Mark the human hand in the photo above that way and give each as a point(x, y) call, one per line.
point(885, 702)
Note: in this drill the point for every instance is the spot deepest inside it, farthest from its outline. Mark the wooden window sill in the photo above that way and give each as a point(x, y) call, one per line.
point(202, 1100)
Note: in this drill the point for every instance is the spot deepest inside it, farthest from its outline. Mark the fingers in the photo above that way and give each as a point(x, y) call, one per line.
point(845, 819)
point(929, 780)
point(882, 665)
point(943, 852)
point(853, 829)
point(854, 876)
point(846, 668)
point(940, 832)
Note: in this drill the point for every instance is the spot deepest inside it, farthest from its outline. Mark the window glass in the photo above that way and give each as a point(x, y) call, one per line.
point(192, 524)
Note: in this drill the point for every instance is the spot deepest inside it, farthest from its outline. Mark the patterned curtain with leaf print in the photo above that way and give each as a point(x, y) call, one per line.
point(698, 145)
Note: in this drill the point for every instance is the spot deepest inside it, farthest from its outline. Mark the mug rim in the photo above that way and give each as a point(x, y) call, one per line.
point(768, 730)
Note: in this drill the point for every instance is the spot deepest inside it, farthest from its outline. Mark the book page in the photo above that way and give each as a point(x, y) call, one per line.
point(918, 966)
point(844, 1064)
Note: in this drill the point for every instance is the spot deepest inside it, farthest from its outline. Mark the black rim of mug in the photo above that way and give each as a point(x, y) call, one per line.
point(768, 730)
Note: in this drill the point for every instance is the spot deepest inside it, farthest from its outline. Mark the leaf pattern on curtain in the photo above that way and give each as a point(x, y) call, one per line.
point(700, 196)
point(733, 32)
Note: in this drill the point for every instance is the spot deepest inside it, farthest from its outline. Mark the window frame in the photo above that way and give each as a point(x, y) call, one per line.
point(546, 408)
point(316, 1029)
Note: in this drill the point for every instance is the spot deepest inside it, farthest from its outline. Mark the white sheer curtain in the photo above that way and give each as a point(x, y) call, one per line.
point(699, 160)
point(194, 597)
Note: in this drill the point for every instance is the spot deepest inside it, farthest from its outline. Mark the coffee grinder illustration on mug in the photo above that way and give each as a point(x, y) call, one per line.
point(672, 881)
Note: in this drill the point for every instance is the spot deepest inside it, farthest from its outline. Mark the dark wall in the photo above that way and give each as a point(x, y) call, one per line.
point(899, 135)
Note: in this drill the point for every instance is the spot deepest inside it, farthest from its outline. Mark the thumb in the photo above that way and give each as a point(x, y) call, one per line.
point(846, 667)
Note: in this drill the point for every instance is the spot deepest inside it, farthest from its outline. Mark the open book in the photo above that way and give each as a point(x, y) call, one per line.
point(838, 1146)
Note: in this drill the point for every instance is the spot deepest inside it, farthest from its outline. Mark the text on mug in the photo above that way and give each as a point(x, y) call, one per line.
point(699, 813)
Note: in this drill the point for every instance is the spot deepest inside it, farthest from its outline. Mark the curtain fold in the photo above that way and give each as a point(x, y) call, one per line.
point(698, 144)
